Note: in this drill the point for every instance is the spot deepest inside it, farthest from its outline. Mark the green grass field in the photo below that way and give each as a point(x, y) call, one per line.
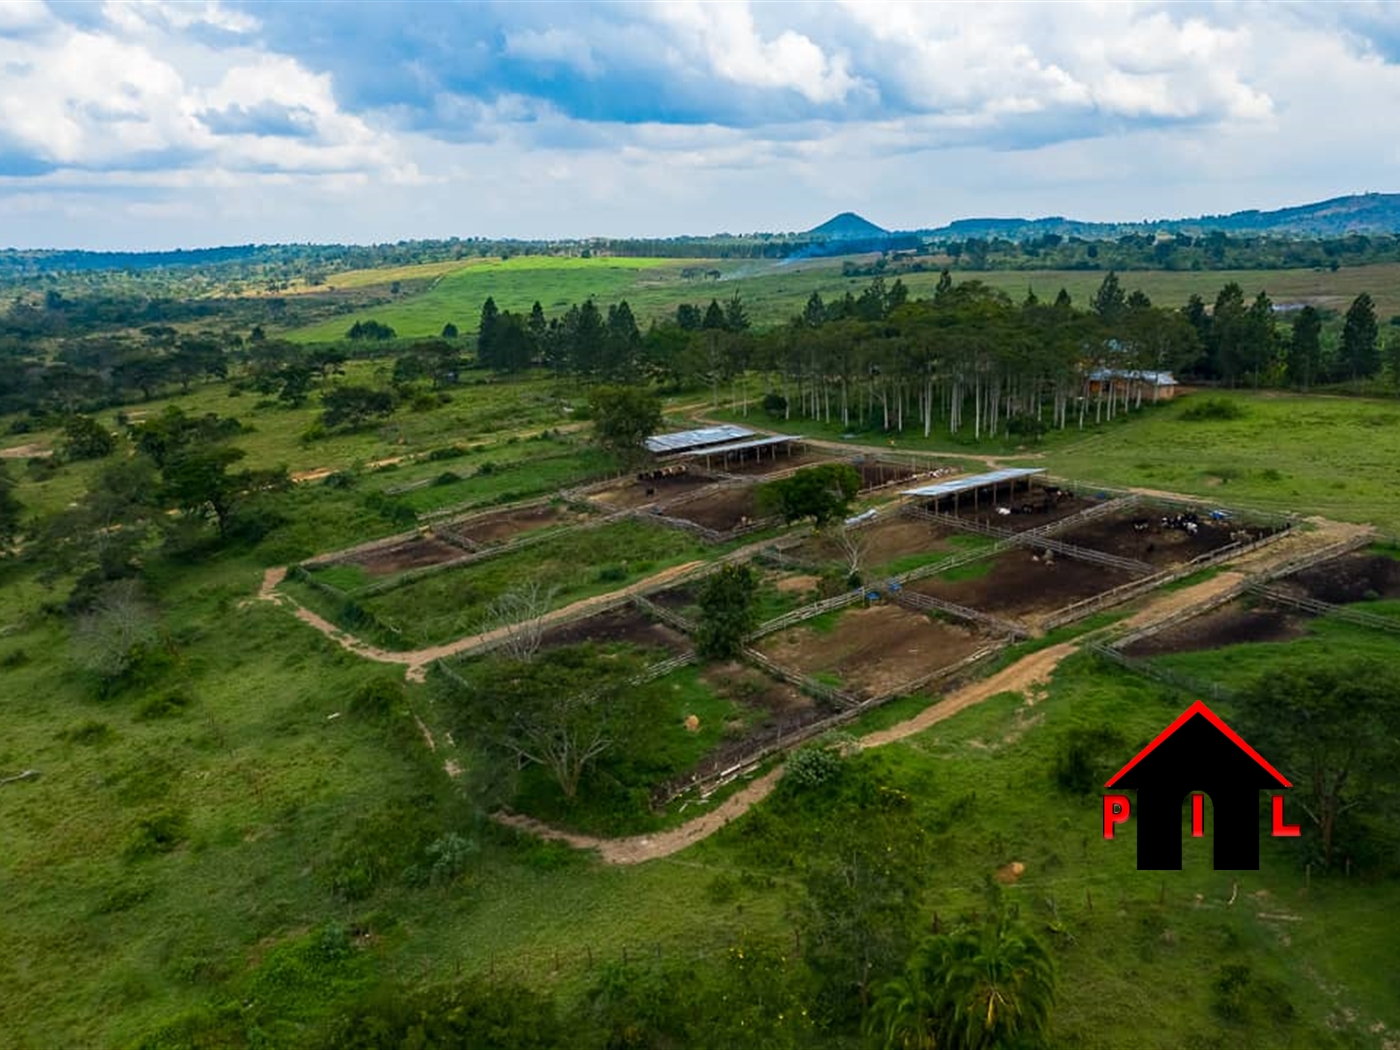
point(192, 845)
point(774, 291)
point(1291, 453)
point(578, 564)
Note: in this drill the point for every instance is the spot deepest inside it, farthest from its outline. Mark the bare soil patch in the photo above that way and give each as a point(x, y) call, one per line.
point(626, 623)
point(30, 451)
point(502, 525)
point(1351, 578)
point(1157, 544)
point(411, 554)
point(797, 584)
point(1022, 584)
point(874, 651)
point(722, 508)
point(886, 540)
point(629, 492)
point(1232, 624)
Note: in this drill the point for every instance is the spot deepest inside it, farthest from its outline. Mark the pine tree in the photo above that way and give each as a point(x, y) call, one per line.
point(487, 334)
point(1360, 349)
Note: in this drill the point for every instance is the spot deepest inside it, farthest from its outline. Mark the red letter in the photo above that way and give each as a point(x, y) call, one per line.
point(1198, 816)
point(1115, 811)
point(1282, 830)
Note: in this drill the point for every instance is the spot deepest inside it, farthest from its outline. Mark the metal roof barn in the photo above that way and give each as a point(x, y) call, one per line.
point(741, 446)
point(976, 481)
point(661, 444)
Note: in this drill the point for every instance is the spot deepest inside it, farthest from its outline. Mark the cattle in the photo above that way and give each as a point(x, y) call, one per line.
point(1141, 524)
point(1004, 511)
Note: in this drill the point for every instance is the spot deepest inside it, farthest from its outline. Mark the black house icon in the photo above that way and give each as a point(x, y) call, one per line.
point(1198, 752)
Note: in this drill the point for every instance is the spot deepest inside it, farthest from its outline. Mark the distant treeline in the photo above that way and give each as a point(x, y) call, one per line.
point(1144, 251)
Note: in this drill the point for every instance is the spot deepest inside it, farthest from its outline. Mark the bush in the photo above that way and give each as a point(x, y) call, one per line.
point(1214, 409)
point(774, 403)
point(447, 478)
point(165, 704)
point(446, 858)
point(340, 479)
point(376, 698)
point(812, 766)
point(88, 732)
point(1085, 758)
point(155, 835)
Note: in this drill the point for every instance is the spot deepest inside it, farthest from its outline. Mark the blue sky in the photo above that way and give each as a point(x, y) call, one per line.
point(152, 124)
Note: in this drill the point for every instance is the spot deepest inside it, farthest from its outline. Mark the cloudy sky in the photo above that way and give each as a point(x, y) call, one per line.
point(152, 124)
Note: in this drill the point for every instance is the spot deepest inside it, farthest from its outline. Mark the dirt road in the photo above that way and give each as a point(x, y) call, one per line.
point(417, 660)
point(1021, 677)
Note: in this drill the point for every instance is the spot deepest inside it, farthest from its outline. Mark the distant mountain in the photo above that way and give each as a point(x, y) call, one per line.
point(847, 226)
point(1358, 213)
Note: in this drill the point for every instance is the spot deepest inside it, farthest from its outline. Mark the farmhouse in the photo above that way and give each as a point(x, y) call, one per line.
point(1126, 383)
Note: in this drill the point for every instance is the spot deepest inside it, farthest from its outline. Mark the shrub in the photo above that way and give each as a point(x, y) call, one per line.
point(376, 698)
point(1085, 757)
point(165, 704)
point(1230, 988)
point(447, 478)
point(1214, 409)
point(88, 732)
point(340, 479)
point(155, 835)
point(774, 403)
point(812, 766)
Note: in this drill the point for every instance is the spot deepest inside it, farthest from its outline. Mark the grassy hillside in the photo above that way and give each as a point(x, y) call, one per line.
point(244, 843)
point(774, 291)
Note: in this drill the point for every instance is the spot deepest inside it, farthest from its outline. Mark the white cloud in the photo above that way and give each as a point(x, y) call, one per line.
point(553, 45)
point(730, 43)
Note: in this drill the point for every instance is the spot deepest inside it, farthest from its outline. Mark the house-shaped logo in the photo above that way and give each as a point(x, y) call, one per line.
point(1197, 753)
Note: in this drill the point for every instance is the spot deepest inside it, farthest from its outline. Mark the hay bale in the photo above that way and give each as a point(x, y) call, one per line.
point(692, 724)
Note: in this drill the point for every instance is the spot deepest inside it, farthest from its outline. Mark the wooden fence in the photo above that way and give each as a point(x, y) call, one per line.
point(1320, 608)
point(917, 602)
point(667, 616)
point(1198, 687)
point(1038, 536)
point(808, 684)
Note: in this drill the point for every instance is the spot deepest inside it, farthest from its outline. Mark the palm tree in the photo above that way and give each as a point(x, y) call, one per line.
point(997, 984)
point(904, 1014)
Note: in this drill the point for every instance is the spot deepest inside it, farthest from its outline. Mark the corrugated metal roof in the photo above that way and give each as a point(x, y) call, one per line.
point(685, 439)
point(975, 481)
point(739, 446)
point(1155, 378)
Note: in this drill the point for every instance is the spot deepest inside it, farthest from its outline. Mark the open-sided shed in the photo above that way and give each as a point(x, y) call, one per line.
point(974, 490)
point(750, 449)
point(684, 440)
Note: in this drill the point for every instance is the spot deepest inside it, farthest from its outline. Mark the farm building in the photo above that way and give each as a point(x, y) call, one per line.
point(686, 440)
point(750, 450)
point(1124, 382)
point(998, 488)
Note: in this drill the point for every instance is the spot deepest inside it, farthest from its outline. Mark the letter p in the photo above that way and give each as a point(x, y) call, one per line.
point(1115, 811)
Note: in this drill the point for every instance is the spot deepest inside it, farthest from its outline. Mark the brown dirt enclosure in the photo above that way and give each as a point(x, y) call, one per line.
point(873, 651)
point(415, 553)
point(1022, 585)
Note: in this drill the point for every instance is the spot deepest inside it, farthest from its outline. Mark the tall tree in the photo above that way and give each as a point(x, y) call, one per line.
point(1109, 301)
point(623, 418)
point(1305, 347)
point(11, 509)
point(487, 332)
point(1330, 728)
point(1360, 349)
point(728, 612)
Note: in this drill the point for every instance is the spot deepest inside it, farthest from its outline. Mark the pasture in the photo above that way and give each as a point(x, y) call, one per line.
point(773, 291)
point(255, 840)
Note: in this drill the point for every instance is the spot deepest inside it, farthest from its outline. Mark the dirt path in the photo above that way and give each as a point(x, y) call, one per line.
point(1022, 677)
point(635, 849)
point(417, 660)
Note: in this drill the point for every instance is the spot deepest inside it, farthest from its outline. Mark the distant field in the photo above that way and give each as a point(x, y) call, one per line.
point(1315, 455)
point(774, 291)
